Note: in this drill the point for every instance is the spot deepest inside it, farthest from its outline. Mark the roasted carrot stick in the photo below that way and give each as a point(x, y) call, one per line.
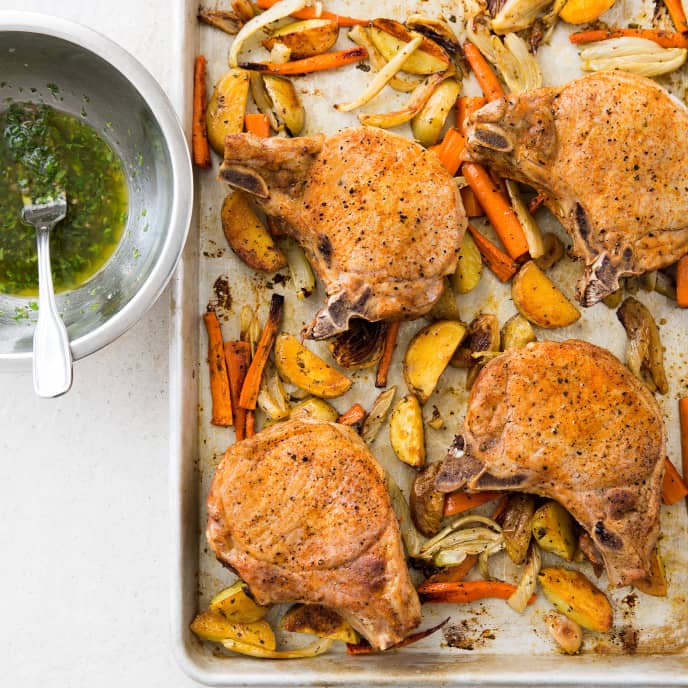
point(466, 106)
point(455, 573)
point(199, 134)
point(683, 418)
point(364, 648)
point(496, 260)
point(312, 13)
point(674, 487)
point(452, 150)
point(238, 358)
point(500, 214)
point(317, 63)
point(249, 392)
point(470, 203)
point(219, 380)
point(456, 502)
point(682, 282)
point(466, 591)
point(483, 72)
point(666, 39)
point(257, 123)
point(355, 414)
point(250, 423)
point(678, 15)
point(387, 353)
point(500, 508)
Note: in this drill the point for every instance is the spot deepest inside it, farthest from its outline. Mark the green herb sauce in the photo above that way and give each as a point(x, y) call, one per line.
point(43, 151)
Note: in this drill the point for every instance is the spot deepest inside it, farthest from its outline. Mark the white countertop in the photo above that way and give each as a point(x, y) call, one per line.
point(84, 517)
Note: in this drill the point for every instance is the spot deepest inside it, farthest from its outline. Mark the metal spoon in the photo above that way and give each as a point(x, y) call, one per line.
point(52, 356)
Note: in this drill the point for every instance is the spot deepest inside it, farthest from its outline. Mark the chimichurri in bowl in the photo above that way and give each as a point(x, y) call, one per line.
point(42, 148)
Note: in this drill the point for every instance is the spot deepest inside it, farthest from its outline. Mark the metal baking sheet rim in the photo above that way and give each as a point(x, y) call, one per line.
point(408, 668)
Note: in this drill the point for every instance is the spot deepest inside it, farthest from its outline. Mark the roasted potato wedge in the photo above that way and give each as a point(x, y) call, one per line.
point(577, 598)
point(566, 633)
point(555, 530)
point(517, 332)
point(226, 108)
point(553, 251)
point(236, 605)
point(210, 625)
point(389, 37)
point(318, 620)
point(305, 38)
point(406, 432)
point(445, 307)
point(247, 235)
point(427, 504)
point(428, 355)
point(360, 346)
point(538, 300)
point(517, 526)
point(285, 103)
point(314, 408)
point(428, 123)
point(655, 584)
point(584, 11)
point(469, 268)
point(300, 366)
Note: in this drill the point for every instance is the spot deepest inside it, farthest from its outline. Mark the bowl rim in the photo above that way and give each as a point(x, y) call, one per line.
point(180, 162)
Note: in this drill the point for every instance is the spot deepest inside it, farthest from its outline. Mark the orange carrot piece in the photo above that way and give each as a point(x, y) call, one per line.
point(457, 502)
point(355, 414)
point(308, 65)
point(683, 418)
point(311, 13)
point(364, 648)
point(456, 573)
point(199, 133)
point(387, 353)
point(666, 39)
point(500, 214)
point(674, 487)
point(496, 260)
point(500, 508)
point(250, 423)
point(677, 14)
point(238, 357)
point(470, 203)
point(483, 72)
point(466, 591)
point(251, 388)
point(219, 380)
point(682, 282)
point(452, 151)
point(465, 107)
point(257, 123)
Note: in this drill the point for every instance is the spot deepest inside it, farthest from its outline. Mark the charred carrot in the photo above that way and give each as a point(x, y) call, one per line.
point(457, 502)
point(483, 72)
point(682, 282)
point(354, 415)
point(258, 124)
point(312, 13)
point(250, 423)
point(677, 14)
point(199, 134)
point(667, 39)
point(238, 358)
point(674, 487)
point(466, 591)
point(219, 380)
point(308, 65)
point(465, 107)
point(249, 392)
point(683, 418)
point(500, 508)
point(456, 573)
point(364, 647)
point(387, 353)
point(496, 260)
point(500, 214)
point(452, 151)
point(470, 203)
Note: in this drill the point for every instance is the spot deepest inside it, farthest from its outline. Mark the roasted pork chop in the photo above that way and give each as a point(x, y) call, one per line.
point(609, 154)
point(568, 421)
point(379, 217)
point(301, 512)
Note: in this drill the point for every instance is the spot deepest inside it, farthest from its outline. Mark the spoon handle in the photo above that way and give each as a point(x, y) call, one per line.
point(52, 356)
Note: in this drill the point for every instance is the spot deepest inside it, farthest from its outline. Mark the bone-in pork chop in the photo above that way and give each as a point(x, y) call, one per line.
point(609, 154)
point(378, 216)
point(301, 513)
point(568, 421)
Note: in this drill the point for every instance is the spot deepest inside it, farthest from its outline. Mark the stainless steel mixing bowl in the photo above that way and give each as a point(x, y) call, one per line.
point(76, 70)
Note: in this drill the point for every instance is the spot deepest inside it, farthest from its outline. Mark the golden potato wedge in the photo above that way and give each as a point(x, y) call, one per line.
point(389, 37)
point(318, 620)
point(300, 366)
point(247, 235)
point(576, 597)
point(226, 108)
point(553, 251)
point(538, 300)
point(516, 526)
point(314, 408)
point(305, 38)
point(445, 307)
point(286, 104)
point(406, 433)
point(566, 633)
point(428, 123)
point(216, 627)
point(655, 584)
point(428, 354)
point(584, 11)
point(517, 332)
point(426, 503)
point(469, 268)
point(554, 530)
point(236, 605)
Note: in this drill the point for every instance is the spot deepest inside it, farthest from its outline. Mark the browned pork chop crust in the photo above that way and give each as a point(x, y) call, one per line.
point(301, 512)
